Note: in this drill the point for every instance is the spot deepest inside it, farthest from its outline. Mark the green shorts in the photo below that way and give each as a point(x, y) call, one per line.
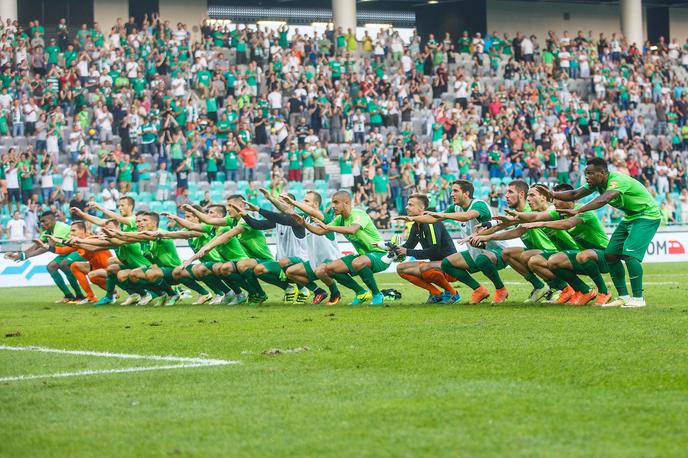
point(473, 267)
point(376, 262)
point(631, 238)
point(167, 274)
point(578, 268)
point(74, 256)
point(272, 266)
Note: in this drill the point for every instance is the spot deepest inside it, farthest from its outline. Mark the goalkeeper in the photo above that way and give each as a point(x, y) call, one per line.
point(436, 245)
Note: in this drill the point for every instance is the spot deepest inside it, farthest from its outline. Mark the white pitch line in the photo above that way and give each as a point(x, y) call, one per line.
point(118, 355)
point(186, 363)
point(110, 371)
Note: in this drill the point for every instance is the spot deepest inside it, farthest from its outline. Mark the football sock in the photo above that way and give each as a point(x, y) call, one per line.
point(572, 279)
point(618, 274)
point(635, 275)
point(83, 281)
point(534, 280)
point(593, 271)
point(460, 274)
point(490, 270)
point(368, 278)
point(59, 281)
point(348, 281)
point(194, 286)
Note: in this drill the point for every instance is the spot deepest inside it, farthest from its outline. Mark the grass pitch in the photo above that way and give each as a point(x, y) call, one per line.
point(403, 379)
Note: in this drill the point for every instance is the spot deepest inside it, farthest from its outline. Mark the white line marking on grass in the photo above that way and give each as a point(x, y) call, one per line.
point(186, 363)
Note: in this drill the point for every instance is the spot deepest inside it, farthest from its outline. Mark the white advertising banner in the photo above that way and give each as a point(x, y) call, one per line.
point(665, 247)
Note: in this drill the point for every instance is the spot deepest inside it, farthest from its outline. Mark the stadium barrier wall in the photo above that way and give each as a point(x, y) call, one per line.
point(665, 247)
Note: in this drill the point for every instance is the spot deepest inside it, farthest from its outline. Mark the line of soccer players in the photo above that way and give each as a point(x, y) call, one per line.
point(561, 243)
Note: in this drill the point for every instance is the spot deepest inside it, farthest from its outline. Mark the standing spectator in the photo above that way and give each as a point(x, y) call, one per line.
point(82, 175)
point(381, 186)
point(319, 159)
point(294, 157)
point(68, 178)
point(248, 157)
point(346, 170)
point(46, 179)
point(78, 202)
point(111, 196)
point(164, 183)
point(16, 228)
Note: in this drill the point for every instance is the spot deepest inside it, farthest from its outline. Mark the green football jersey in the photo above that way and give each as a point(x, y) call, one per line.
point(61, 231)
point(366, 239)
point(196, 243)
point(589, 234)
point(252, 240)
point(228, 251)
point(634, 200)
point(132, 255)
point(161, 252)
point(536, 239)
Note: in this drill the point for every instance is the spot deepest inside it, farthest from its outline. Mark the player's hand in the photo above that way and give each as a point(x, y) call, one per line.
point(300, 220)
point(169, 215)
point(240, 211)
point(545, 191)
point(320, 224)
point(264, 191)
point(477, 241)
point(506, 219)
point(77, 211)
point(402, 218)
point(287, 199)
point(568, 211)
point(400, 251)
point(186, 264)
point(436, 215)
point(12, 255)
point(252, 207)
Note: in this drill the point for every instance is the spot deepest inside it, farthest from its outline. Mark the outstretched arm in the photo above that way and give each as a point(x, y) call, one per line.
point(503, 235)
point(562, 224)
point(179, 234)
point(222, 239)
point(527, 217)
point(598, 202)
point(183, 222)
point(86, 217)
point(307, 209)
point(456, 216)
point(212, 220)
point(110, 214)
point(573, 194)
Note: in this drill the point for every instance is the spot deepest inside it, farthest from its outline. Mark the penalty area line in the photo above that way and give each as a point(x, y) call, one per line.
point(185, 363)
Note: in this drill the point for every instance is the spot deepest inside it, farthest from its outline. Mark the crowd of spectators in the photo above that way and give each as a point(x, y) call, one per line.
point(151, 110)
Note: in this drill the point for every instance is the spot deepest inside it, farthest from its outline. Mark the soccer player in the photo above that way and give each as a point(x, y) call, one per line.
point(436, 245)
point(586, 229)
point(634, 233)
point(128, 256)
point(133, 258)
point(522, 199)
point(252, 241)
point(94, 260)
point(320, 249)
point(226, 291)
point(59, 231)
point(291, 248)
point(471, 213)
point(357, 226)
point(162, 253)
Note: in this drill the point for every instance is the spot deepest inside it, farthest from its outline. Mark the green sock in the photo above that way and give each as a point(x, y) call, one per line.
point(194, 286)
point(557, 284)
point(490, 270)
point(592, 270)
point(235, 282)
point(572, 279)
point(110, 285)
point(59, 281)
point(348, 281)
point(216, 285)
point(312, 286)
point(368, 278)
point(274, 279)
point(333, 288)
point(460, 274)
point(73, 282)
point(618, 274)
point(635, 275)
point(534, 280)
point(252, 282)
